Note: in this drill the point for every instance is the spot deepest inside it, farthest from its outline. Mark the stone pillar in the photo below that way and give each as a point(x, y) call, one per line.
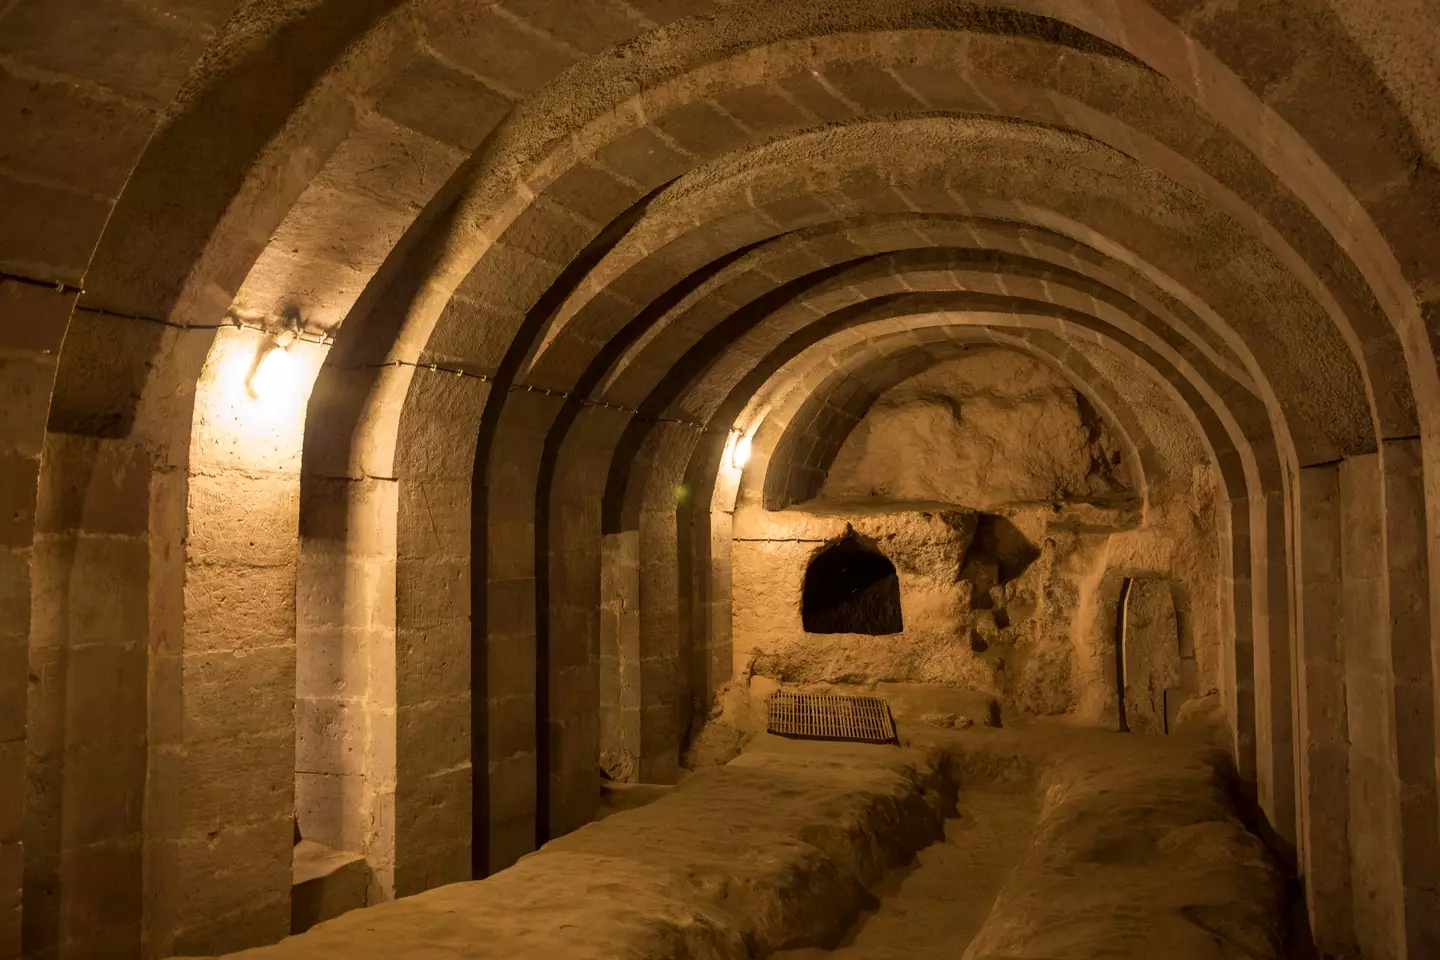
point(1407, 575)
point(507, 535)
point(1374, 828)
point(345, 672)
point(620, 686)
point(1322, 733)
point(440, 688)
point(220, 802)
point(577, 489)
point(661, 699)
point(87, 745)
point(1274, 747)
point(33, 318)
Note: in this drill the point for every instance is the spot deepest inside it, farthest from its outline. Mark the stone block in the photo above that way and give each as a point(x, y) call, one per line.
point(434, 518)
point(509, 841)
point(34, 318)
point(105, 693)
point(102, 893)
point(510, 724)
point(233, 607)
point(393, 161)
point(433, 662)
point(701, 129)
point(327, 883)
point(510, 547)
point(250, 520)
point(549, 232)
point(19, 478)
point(483, 41)
point(441, 102)
point(510, 782)
point(12, 860)
point(431, 737)
point(593, 192)
point(806, 90)
point(332, 809)
point(331, 737)
point(141, 57)
point(13, 683)
point(12, 801)
point(237, 784)
point(643, 157)
point(437, 431)
point(340, 515)
point(104, 793)
point(451, 864)
point(48, 233)
point(59, 133)
point(260, 921)
point(509, 665)
point(432, 813)
point(510, 607)
point(430, 592)
point(95, 486)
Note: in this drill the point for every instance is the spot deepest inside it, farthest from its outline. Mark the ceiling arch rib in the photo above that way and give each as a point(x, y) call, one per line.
point(628, 225)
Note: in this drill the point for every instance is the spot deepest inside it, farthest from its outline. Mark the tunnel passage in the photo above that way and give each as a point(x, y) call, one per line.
point(850, 588)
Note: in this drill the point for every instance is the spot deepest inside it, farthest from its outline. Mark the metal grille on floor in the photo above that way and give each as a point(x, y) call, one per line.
point(815, 717)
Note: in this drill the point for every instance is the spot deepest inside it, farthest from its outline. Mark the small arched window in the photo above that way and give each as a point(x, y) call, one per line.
point(850, 588)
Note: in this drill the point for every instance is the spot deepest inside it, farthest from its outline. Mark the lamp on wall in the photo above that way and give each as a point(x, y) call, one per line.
point(740, 455)
point(274, 370)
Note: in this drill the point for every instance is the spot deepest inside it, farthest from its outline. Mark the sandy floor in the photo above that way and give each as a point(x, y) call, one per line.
point(936, 905)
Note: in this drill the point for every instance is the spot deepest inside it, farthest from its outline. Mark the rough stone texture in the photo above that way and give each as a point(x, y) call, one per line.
point(327, 883)
point(1150, 650)
point(993, 429)
point(649, 208)
point(1110, 826)
point(991, 618)
point(678, 876)
point(1017, 604)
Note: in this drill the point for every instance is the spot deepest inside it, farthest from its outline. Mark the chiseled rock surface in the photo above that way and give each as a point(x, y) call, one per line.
point(772, 850)
point(1139, 854)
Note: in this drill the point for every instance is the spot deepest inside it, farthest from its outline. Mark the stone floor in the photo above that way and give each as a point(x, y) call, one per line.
point(982, 843)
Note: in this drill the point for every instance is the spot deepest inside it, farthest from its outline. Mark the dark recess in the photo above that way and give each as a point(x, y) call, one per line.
point(850, 588)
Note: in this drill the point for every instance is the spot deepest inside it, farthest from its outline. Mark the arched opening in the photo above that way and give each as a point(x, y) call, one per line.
point(851, 589)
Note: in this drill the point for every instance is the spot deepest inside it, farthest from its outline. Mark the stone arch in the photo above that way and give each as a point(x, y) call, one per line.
point(1360, 167)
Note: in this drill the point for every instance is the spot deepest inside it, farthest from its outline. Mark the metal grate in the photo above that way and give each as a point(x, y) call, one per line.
point(814, 717)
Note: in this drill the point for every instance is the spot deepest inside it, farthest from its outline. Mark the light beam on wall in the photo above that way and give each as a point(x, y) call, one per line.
point(740, 455)
point(275, 372)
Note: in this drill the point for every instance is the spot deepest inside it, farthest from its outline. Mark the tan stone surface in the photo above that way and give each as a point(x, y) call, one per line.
point(782, 847)
point(992, 429)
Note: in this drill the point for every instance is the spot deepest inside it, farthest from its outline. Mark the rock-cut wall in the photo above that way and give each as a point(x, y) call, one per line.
point(1012, 521)
point(992, 428)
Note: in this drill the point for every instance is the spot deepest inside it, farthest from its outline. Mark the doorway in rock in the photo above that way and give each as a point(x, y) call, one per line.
point(851, 588)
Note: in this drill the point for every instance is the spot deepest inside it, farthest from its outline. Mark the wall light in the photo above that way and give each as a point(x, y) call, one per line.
point(741, 454)
point(275, 369)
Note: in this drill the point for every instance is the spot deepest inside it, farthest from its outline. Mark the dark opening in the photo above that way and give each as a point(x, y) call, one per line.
point(851, 589)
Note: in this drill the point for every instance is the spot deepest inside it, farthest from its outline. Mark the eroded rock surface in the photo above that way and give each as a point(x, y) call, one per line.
point(1139, 853)
point(992, 428)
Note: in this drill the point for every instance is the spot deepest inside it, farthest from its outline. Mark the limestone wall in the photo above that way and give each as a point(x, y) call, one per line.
point(1013, 521)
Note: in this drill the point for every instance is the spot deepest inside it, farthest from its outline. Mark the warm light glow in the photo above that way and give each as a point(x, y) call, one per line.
point(252, 397)
point(274, 376)
point(741, 454)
